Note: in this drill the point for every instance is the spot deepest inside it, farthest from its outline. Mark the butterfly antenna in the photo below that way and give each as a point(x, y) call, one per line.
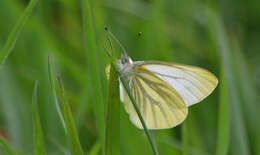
point(116, 40)
point(108, 52)
point(109, 41)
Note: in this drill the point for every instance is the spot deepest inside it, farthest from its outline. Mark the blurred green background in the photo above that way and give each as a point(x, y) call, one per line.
point(221, 36)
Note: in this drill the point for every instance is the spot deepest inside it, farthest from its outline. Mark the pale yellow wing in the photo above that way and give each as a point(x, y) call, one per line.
point(160, 105)
point(193, 84)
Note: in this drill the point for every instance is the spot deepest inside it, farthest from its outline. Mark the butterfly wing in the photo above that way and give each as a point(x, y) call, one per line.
point(159, 103)
point(193, 84)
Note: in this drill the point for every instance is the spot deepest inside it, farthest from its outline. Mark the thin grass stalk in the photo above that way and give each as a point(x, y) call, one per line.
point(6, 147)
point(38, 135)
point(151, 140)
point(10, 43)
point(153, 145)
point(75, 146)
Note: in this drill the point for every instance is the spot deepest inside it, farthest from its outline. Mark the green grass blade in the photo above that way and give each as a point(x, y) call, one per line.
point(112, 139)
point(93, 67)
point(185, 138)
point(223, 119)
point(9, 45)
point(6, 147)
point(238, 135)
point(54, 93)
point(38, 135)
point(75, 146)
point(248, 95)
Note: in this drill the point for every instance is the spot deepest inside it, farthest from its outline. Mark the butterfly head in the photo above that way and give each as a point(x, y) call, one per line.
point(124, 64)
point(125, 59)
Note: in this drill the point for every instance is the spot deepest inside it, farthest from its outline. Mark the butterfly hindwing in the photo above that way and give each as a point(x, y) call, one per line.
point(160, 104)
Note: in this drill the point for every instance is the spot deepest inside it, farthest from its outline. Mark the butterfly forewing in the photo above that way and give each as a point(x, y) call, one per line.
point(192, 83)
point(160, 104)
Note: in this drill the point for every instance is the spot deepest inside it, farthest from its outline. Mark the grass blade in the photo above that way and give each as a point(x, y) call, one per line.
point(248, 95)
point(112, 139)
point(75, 146)
point(185, 138)
point(38, 136)
point(9, 45)
point(54, 93)
point(223, 119)
point(6, 147)
point(237, 125)
point(93, 67)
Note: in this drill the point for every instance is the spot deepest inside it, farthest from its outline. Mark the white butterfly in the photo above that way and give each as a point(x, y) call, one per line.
point(163, 91)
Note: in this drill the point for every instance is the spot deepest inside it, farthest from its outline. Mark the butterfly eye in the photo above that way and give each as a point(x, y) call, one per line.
point(124, 59)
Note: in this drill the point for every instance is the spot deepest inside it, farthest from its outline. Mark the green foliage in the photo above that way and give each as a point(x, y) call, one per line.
point(222, 37)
